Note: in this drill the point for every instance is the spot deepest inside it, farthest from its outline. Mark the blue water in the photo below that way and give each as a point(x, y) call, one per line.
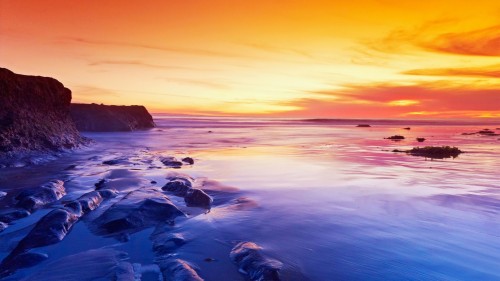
point(330, 201)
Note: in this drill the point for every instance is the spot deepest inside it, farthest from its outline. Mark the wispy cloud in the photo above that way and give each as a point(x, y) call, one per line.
point(438, 36)
point(201, 83)
point(139, 63)
point(386, 99)
point(491, 71)
point(480, 42)
point(191, 51)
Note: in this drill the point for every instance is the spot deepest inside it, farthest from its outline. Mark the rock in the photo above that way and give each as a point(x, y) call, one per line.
point(2, 194)
point(183, 187)
point(138, 210)
point(396, 138)
point(70, 167)
point(420, 139)
point(164, 243)
point(436, 152)
point(35, 117)
point(3, 226)
point(50, 229)
point(38, 197)
point(100, 184)
point(13, 215)
point(110, 118)
point(177, 270)
point(90, 201)
point(407, 128)
point(99, 264)
point(250, 261)
point(108, 193)
point(198, 198)
point(178, 186)
point(171, 162)
point(153, 182)
point(188, 160)
point(363, 126)
point(111, 162)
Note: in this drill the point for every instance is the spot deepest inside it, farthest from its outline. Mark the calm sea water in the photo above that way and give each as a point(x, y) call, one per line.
point(331, 201)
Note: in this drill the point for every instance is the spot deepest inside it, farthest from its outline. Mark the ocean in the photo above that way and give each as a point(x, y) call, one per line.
point(327, 199)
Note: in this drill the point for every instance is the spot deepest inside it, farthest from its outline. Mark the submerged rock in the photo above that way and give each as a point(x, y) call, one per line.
point(38, 197)
point(110, 118)
point(407, 128)
point(139, 209)
point(164, 243)
point(12, 215)
point(177, 270)
point(98, 264)
point(171, 162)
point(188, 160)
point(434, 152)
point(3, 226)
point(420, 139)
point(250, 261)
point(363, 126)
point(396, 137)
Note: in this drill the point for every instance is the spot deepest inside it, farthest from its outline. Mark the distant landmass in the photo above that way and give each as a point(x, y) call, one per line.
point(110, 118)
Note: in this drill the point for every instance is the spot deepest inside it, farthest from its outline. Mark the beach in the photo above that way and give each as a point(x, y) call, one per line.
point(328, 200)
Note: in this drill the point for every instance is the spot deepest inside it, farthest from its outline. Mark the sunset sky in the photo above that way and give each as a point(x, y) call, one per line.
point(339, 59)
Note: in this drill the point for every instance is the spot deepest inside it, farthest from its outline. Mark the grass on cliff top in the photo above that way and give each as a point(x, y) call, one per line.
point(435, 152)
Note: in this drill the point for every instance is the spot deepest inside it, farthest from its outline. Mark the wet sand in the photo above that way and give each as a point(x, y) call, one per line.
point(328, 201)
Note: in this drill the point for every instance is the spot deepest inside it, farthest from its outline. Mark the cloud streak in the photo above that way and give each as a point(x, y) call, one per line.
point(384, 100)
point(190, 51)
point(492, 71)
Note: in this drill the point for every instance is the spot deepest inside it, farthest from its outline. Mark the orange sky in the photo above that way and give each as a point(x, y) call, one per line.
point(340, 59)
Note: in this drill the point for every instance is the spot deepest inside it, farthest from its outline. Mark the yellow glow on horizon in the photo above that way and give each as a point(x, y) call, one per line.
point(403, 102)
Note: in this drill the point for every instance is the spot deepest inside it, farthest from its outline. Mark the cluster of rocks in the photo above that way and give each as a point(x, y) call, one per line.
point(484, 132)
point(126, 213)
point(433, 152)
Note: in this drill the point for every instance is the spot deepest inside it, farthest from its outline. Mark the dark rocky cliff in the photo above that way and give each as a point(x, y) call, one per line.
point(109, 118)
point(34, 115)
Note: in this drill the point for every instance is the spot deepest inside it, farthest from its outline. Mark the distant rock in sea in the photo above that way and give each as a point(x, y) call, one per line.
point(34, 116)
point(110, 118)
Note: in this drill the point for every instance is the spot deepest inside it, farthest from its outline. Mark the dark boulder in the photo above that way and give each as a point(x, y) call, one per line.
point(171, 162)
point(251, 262)
point(420, 139)
point(188, 160)
point(177, 270)
point(138, 210)
point(50, 229)
point(35, 198)
point(178, 186)
point(110, 118)
point(198, 198)
point(396, 138)
point(90, 201)
point(12, 215)
point(363, 126)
